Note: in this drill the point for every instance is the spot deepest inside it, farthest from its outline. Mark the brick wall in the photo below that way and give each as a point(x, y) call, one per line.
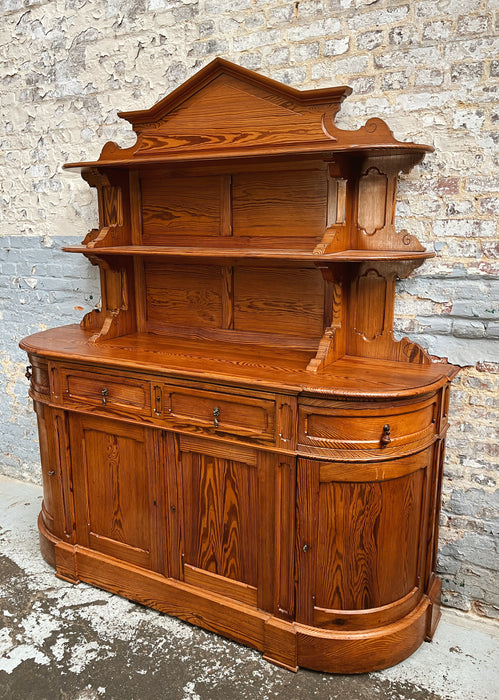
point(428, 67)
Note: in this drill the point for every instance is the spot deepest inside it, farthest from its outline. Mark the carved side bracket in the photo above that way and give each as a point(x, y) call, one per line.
point(371, 303)
point(326, 352)
point(374, 216)
point(117, 317)
point(110, 200)
point(367, 290)
point(333, 342)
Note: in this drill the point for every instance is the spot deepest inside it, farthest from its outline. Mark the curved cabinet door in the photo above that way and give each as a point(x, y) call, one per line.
point(362, 539)
point(114, 475)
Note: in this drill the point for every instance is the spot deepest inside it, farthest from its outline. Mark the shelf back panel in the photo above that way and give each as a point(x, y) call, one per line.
point(284, 301)
point(180, 206)
point(276, 204)
point(240, 300)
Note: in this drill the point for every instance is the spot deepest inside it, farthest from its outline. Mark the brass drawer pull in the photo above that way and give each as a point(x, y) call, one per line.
point(385, 437)
point(105, 394)
point(216, 413)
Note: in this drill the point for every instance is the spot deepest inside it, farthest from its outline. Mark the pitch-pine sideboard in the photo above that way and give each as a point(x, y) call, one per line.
point(236, 438)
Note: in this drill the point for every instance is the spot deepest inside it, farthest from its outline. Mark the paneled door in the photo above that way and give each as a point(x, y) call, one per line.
point(114, 471)
point(362, 533)
point(227, 499)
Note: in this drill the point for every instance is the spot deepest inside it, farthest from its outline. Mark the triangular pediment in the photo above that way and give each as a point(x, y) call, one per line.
point(223, 89)
point(228, 110)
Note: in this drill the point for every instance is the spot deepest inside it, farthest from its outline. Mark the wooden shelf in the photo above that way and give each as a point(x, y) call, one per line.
point(251, 254)
point(320, 151)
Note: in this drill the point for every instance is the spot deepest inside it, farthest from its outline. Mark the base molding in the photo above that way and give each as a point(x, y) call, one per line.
point(285, 643)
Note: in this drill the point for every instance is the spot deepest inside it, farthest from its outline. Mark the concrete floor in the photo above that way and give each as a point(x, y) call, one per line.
point(77, 642)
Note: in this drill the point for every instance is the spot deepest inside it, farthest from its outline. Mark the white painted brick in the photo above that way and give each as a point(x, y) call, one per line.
point(336, 47)
point(441, 29)
point(470, 119)
point(378, 18)
point(477, 49)
point(473, 24)
point(404, 35)
point(321, 28)
point(369, 40)
point(255, 39)
point(344, 66)
point(303, 52)
point(483, 184)
point(465, 228)
point(429, 76)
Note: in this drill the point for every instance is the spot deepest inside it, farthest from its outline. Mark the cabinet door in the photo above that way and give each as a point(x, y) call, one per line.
point(361, 540)
point(114, 469)
point(227, 495)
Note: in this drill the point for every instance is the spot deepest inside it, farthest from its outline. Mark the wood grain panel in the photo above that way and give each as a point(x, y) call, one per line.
point(184, 295)
point(218, 119)
point(52, 507)
point(220, 584)
point(369, 543)
point(307, 518)
point(372, 201)
point(290, 302)
point(221, 498)
point(181, 205)
point(201, 608)
point(280, 204)
point(115, 503)
point(285, 495)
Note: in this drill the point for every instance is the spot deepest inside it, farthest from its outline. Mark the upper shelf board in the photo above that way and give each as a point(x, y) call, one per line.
point(225, 111)
point(251, 253)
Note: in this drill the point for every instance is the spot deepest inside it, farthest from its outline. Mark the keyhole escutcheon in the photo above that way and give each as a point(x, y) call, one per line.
point(216, 413)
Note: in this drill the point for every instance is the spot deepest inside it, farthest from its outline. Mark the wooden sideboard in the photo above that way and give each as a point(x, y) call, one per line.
point(236, 438)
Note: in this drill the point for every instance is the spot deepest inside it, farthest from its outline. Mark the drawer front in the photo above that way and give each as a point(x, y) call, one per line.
point(220, 412)
point(110, 393)
point(361, 426)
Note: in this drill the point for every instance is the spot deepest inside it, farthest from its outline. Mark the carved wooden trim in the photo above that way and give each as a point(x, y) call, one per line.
point(371, 304)
point(332, 345)
point(116, 316)
point(111, 214)
point(371, 292)
point(372, 201)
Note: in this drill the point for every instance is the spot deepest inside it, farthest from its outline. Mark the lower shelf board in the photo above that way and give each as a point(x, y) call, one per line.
point(285, 643)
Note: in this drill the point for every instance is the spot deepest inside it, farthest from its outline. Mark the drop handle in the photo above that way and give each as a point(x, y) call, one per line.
point(385, 437)
point(105, 394)
point(216, 413)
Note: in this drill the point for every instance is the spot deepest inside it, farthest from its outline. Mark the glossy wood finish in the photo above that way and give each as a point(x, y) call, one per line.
point(237, 438)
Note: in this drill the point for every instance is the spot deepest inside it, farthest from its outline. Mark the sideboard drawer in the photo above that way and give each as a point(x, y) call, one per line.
point(108, 392)
point(360, 426)
point(219, 412)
